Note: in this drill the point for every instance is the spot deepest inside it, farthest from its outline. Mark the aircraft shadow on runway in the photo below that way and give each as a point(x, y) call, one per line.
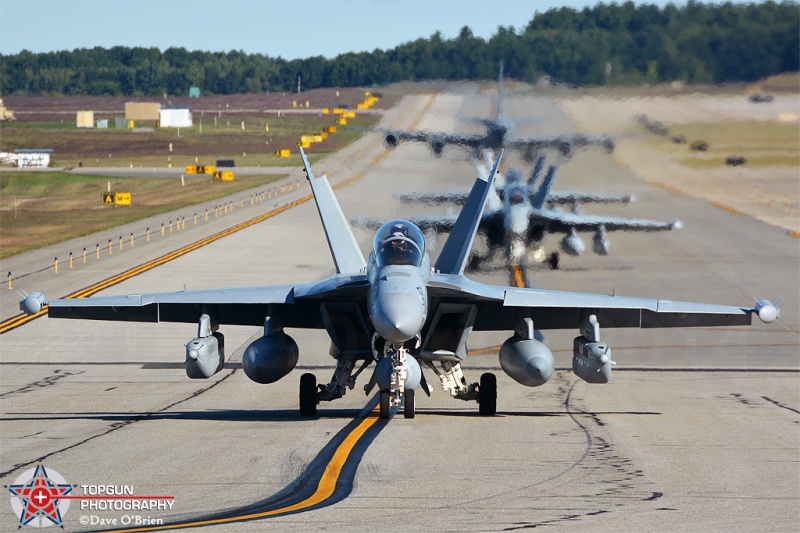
point(212, 415)
point(422, 412)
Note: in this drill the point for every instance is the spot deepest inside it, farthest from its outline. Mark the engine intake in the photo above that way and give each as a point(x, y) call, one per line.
point(391, 140)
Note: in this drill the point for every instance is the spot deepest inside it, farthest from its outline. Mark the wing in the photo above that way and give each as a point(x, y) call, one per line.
point(565, 144)
point(499, 307)
point(403, 136)
point(436, 140)
point(344, 248)
point(490, 221)
point(561, 222)
point(457, 198)
point(575, 198)
point(298, 304)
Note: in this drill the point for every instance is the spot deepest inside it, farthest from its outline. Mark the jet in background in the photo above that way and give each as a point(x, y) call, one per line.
point(518, 215)
point(499, 135)
point(396, 311)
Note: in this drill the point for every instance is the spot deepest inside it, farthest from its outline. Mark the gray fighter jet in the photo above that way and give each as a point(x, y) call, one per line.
point(397, 311)
point(518, 215)
point(499, 134)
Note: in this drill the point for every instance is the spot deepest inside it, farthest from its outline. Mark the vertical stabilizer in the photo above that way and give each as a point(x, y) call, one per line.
point(541, 195)
point(537, 169)
point(455, 251)
point(344, 248)
point(500, 94)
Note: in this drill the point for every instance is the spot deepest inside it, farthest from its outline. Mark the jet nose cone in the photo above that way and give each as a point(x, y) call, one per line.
point(399, 317)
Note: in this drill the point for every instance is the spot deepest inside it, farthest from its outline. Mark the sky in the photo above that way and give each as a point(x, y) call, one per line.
point(289, 28)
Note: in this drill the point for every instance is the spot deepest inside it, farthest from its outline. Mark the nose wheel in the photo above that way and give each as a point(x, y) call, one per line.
point(409, 404)
point(386, 404)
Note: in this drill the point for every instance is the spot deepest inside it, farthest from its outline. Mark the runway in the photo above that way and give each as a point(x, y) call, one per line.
point(698, 430)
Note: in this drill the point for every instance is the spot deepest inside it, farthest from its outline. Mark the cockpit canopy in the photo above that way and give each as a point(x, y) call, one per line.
point(399, 242)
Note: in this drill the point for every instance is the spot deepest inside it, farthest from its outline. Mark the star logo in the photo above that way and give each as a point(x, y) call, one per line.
point(36, 497)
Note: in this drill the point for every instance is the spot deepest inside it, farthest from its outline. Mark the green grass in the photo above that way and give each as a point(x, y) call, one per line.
point(763, 144)
point(43, 208)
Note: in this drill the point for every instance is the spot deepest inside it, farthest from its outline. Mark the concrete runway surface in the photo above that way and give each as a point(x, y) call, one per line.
point(699, 429)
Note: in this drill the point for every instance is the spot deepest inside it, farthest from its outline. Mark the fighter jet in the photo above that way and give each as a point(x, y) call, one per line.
point(518, 215)
point(398, 311)
point(499, 134)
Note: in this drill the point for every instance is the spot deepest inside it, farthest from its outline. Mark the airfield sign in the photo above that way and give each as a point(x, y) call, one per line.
point(116, 198)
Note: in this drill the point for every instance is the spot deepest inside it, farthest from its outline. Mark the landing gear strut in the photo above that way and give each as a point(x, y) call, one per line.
point(397, 393)
point(343, 378)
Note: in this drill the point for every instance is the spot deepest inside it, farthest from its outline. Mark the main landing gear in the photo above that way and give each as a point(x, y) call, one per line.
point(398, 375)
point(308, 395)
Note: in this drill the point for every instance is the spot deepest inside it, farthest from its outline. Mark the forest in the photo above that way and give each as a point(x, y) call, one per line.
point(611, 44)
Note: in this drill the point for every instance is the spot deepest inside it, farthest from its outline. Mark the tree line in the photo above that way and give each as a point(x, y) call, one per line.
point(605, 44)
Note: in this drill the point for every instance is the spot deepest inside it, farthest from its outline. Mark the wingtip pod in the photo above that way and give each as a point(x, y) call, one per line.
point(767, 311)
point(32, 303)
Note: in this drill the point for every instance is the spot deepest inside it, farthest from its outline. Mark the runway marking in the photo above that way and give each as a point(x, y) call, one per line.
point(517, 277)
point(325, 489)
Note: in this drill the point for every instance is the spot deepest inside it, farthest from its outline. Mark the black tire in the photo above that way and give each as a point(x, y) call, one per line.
point(308, 395)
point(409, 406)
point(553, 261)
point(487, 401)
point(386, 405)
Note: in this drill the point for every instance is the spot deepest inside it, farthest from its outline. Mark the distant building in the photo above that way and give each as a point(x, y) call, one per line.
point(85, 119)
point(175, 117)
point(142, 111)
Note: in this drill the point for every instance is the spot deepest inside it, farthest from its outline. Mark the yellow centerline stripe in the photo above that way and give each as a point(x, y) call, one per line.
point(325, 488)
point(519, 282)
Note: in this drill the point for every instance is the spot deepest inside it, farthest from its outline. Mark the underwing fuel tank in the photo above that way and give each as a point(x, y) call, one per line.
point(205, 356)
point(572, 244)
point(591, 361)
point(269, 358)
point(527, 361)
point(383, 373)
